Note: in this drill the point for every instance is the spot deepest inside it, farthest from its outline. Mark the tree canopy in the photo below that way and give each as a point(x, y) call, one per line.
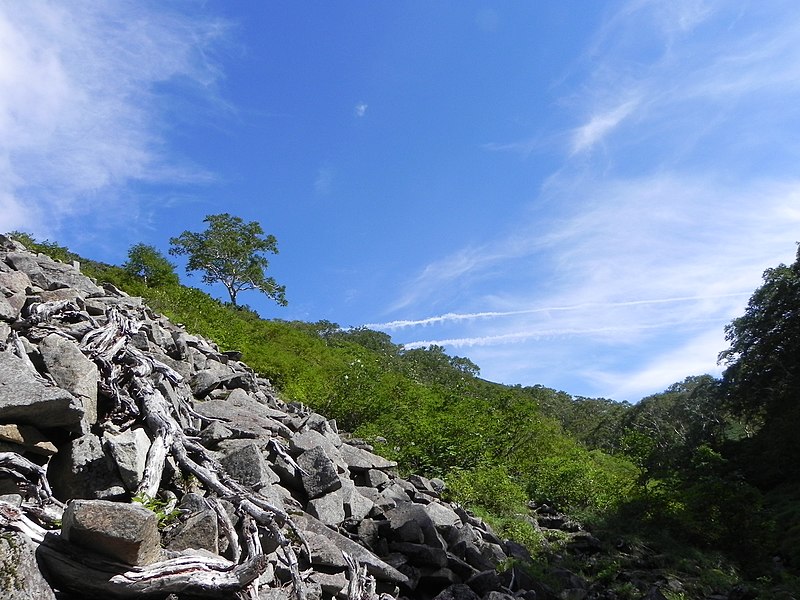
point(150, 265)
point(231, 252)
point(762, 379)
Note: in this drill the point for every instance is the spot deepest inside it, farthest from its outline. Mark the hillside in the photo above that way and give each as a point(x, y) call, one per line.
point(520, 458)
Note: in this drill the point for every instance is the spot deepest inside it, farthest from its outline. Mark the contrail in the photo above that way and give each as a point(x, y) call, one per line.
point(521, 336)
point(493, 314)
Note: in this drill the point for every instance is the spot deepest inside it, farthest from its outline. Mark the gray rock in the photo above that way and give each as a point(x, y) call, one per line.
point(361, 460)
point(442, 516)
point(243, 416)
point(7, 311)
point(14, 282)
point(329, 509)
point(214, 433)
point(204, 381)
point(82, 470)
point(473, 556)
point(420, 554)
point(306, 440)
point(392, 496)
point(484, 582)
point(247, 465)
point(199, 531)
point(376, 478)
point(320, 475)
point(126, 532)
point(54, 275)
point(332, 584)
point(356, 506)
point(20, 578)
point(25, 399)
point(458, 591)
point(375, 566)
point(492, 552)
point(325, 552)
point(495, 595)
point(129, 451)
point(274, 594)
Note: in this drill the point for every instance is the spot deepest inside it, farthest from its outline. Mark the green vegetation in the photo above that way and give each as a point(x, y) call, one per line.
point(703, 475)
point(150, 265)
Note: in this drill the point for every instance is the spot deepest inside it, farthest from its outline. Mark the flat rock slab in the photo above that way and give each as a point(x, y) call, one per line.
point(244, 417)
point(125, 532)
point(25, 399)
point(359, 459)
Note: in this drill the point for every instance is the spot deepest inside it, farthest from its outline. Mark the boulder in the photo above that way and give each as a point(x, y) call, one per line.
point(199, 531)
point(329, 509)
point(125, 532)
point(243, 416)
point(129, 451)
point(81, 469)
point(356, 505)
point(20, 578)
point(484, 582)
point(25, 399)
point(375, 566)
point(458, 591)
point(442, 516)
point(246, 464)
point(359, 459)
point(320, 476)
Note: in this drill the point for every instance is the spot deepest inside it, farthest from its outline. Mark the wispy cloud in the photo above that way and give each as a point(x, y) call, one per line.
point(80, 115)
point(599, 126)
point(361, 109)
point(450, 317)
point(634, 259)
point(323, 184)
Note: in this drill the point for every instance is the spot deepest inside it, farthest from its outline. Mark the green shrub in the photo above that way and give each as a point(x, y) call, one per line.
point(489, 487)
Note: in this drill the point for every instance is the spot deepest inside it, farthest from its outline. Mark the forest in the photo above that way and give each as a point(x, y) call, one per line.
point(703, 475)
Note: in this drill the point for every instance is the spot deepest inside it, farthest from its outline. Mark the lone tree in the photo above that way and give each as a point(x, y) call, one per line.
point(150, 265)
point(230, 252)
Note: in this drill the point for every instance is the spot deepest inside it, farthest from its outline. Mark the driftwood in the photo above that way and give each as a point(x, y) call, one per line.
point(361, 585)
point(93, 576)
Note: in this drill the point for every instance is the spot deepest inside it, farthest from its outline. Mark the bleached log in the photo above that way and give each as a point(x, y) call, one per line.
point(92, 576)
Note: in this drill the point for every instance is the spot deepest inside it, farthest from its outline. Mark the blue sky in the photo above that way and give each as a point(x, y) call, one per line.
point(575, 194)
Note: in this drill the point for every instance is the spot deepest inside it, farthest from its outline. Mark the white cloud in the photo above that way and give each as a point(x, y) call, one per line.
point(361, 109)
point(79, 114)
point(323, 184)
point(599, 126)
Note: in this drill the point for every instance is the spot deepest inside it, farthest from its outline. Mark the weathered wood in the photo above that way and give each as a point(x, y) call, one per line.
point(29, 473)
point(108, 345)
point(361, 585)
point(92, 576)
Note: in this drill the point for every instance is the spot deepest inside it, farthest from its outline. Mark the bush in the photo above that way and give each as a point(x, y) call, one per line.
point(489, 487)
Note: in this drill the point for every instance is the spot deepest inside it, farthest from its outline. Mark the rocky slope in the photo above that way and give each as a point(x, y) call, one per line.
point(256, 497)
